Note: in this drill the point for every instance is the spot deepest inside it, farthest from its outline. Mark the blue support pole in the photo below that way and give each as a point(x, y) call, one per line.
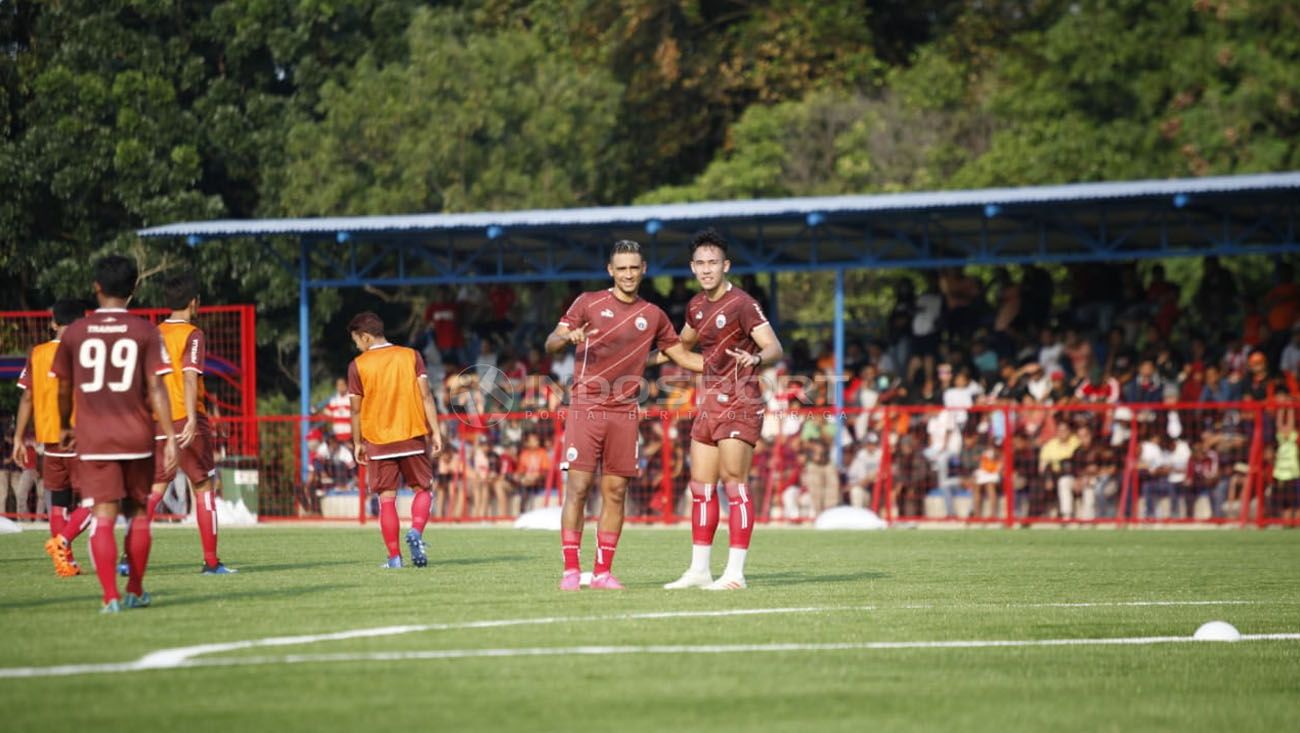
point(304, 357)
point(836, 386)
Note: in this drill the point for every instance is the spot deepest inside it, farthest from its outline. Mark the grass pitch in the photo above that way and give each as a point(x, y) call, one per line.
point(824, 596)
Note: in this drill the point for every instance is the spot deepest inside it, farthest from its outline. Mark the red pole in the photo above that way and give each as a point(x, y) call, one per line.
point(886, 465)
point(666, 480)
point(248, 374)
point(1256, 478)
point(1008, 468)
point(1130, 473)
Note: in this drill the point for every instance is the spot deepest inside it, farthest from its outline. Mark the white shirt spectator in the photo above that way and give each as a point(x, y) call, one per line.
point(865, 465)
point(926, 318)
point(339, 412)
point(1153, 457)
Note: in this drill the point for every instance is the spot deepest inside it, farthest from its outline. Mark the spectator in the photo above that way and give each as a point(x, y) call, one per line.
point(338, 410)
point(1218, 389)
point(533, 468)
point(1163, 465)
point(444, 316)
point(864, 471)
point(1146, 387)
point(820, 478)
point(1056, 466)
point(1208, 478)
point(986, 480)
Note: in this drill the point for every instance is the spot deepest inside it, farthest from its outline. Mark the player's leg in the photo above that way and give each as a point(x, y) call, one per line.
point(613, 494)
point(734, 459)
point(704, 515)
point(384, 477)
point(137, 476)
point(577, 487)
point(418, 472)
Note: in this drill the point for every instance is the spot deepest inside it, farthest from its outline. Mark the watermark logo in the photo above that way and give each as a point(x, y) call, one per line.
point(481, 395)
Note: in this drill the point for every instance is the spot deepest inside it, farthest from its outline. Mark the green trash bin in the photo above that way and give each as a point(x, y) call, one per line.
point(238, 476)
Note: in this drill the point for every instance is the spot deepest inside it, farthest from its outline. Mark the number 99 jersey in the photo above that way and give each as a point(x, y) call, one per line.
point(108, 356)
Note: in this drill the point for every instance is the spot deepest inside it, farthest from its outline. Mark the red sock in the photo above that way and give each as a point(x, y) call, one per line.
point(606, 543)
point(740, 517)
point(206, 515)
point(77, 522)
point(103, 548)
point(389, 525)
point(570, 544)
point(138, 542)
point(152, 507)
point(704, 513)
point(420, 510)
point(57, 518)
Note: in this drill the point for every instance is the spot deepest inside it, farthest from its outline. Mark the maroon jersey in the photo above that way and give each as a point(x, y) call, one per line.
point(610, 363)
point(727, 324)
point(109, 357)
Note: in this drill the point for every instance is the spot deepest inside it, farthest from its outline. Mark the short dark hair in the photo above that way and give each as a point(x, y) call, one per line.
point(366, 322)
point(68, 310)
point(117, 276)
point(626, 246)
point(709, 237)
point(179, 290)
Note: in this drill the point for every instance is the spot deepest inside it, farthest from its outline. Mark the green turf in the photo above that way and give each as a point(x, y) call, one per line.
point(959, 585)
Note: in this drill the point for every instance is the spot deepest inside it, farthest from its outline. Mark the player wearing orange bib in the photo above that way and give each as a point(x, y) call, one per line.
point(395, 431)
point(187, 347)
point(735, 340)
point(59, 467)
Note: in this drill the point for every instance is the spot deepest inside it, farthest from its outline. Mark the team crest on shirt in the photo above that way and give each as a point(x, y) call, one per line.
point(571, 454)
point(607, 313)
point(720, 321)
point(641, 323)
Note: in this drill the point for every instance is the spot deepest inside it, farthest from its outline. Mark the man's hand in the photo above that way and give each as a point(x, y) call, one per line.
point(744, 358)
point(578, 335)
point(170, 453)
point(188, 432)
point(67, 440)
point(359, 452)
point(435, 443)
point(19, 454)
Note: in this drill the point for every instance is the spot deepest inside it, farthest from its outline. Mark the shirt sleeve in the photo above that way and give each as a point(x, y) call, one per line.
point(25, 379)
point(665, 335)
point(576, 315)
point(354, 380)
point(61, 367)
point(420, 371)
point(156, 359)
point(751, 316)
point(196, 352)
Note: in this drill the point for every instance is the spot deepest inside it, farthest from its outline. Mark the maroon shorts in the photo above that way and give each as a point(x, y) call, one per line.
point(106, 481)
point(716, 423)
point(601, 436)
point(195, 459)
point(58, 473)
point(386, 474)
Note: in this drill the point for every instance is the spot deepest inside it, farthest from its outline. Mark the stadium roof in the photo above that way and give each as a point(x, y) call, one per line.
point(1223, 216)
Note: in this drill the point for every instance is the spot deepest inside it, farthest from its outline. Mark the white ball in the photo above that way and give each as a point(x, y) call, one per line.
point(1217, 631)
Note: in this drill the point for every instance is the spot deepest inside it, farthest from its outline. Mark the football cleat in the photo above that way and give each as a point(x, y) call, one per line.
point(727, 582)
point(218, 569)
point(572, 580)
point(605, 581)
point(690, 579)
point(131, 600)
point(113, 606)
point(418, 556)
point(58, 550)
point(392, 563)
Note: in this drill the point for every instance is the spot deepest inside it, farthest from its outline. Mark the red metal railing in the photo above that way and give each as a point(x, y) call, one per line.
point(988, 464)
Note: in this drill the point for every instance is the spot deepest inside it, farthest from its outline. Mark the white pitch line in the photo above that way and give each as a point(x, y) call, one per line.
point(633, 650)
point(179, 657)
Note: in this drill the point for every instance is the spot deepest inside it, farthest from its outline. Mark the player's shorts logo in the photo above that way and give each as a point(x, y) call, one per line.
point(641, 323)
point(571, 454)
point(720, 321)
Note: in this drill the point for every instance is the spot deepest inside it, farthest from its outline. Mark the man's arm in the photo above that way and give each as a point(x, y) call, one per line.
point(562, 336)
point(24, 416)
point(191, 379)
point(163, 409)
point(769, 348)
point(358, 447)
point(431, 414)
point(686, 359)
point(689, 337)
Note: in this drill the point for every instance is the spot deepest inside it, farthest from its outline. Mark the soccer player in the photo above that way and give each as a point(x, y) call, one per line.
point(109, 366)
point(395, 430)
point(187, 349)
point(40, 400)
point(613, 331)
point(736, 341)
